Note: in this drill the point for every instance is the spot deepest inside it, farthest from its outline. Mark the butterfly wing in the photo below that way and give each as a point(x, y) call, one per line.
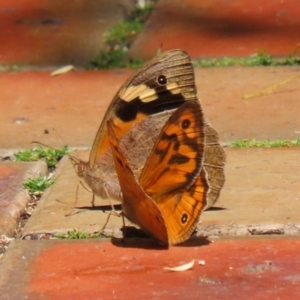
point(163, 83)
point(173, 175)
point(213, 165)
point(176, 159)
point(182, 208)
point(137, 206)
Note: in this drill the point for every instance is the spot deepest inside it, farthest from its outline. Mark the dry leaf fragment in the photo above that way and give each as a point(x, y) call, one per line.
point(270, 89)
point(201, 262)
point(63, 70)
point(181, 268)
point(185, 267)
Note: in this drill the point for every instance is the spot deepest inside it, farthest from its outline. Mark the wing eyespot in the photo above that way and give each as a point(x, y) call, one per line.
point(184, 218)
point(185, 124)
point(162, 80)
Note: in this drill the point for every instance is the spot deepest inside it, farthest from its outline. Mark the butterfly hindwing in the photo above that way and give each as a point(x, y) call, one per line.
point(182, 209)
point(176, 159)
point(214, 160)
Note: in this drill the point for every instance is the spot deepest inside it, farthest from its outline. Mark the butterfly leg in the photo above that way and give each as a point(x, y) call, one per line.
point(110, 203)
point(124, 229)
point(115, 213)
point(93, 198)
point(71, 213)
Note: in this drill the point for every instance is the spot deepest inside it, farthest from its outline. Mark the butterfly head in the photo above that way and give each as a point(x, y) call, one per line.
point(79, 165)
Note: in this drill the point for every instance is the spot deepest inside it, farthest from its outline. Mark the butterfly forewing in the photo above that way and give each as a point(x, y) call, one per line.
point(176, 159)
point(163, 83)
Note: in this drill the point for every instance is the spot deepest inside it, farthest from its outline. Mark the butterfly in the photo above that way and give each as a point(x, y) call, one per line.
point(171, 191)
point(138, 112)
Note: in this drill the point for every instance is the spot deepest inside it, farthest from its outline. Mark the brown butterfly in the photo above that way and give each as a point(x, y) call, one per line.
point(167, 199)
point(138, 112)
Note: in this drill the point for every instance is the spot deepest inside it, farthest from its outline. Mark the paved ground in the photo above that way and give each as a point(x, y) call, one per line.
point(256, 268)
point(74, 104)
point(261, 195)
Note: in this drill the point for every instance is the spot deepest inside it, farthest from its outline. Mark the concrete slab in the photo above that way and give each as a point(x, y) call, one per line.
point(261, 194)
point(258, 183)
point(75, 103)
point(13, 197)
point(52, 33)
point(256, 268)
point(211, 28)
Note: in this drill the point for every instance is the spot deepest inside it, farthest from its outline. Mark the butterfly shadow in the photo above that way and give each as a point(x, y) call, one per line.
point(104, 208)
point(80, 209)
point(137, 238)
point(216, 208)
point(195, 241)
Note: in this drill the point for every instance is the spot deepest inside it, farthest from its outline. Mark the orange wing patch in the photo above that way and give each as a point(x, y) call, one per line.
point(182, 210)
point(176, 159)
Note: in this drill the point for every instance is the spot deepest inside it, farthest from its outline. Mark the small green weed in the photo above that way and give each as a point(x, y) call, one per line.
point(123, 34)
point(75, 235)
point(38, 185)
point(141, 14)
point(252, 143)
point(10, 68)
point(51, 156)
point(258, 59)
point(119, 39)
point(117, 58)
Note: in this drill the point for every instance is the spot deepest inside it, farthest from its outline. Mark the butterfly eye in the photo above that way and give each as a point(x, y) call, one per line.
point(162, 79)
point(185, 124)
point(184, 218)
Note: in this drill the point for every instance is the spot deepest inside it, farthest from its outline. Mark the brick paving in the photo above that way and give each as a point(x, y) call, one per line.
point(255, 268)
point(261, 194)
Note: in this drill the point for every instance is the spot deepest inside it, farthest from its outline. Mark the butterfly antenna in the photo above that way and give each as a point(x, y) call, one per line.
point(59, 136)
point(46, 132)
point(42, 144)
point(74, 160)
